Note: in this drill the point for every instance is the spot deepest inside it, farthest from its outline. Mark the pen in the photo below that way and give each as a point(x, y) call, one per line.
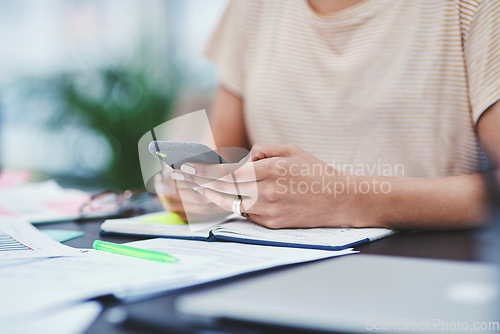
point(132, 251)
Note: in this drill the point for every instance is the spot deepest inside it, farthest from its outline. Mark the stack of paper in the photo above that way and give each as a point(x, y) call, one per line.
point(31, 287)
point(39, 275)
point(22, 245)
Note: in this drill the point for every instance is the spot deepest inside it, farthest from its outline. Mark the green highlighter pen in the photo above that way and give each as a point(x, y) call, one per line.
point(132, 251)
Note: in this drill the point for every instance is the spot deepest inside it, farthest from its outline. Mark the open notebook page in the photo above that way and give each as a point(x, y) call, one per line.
point(330, 237)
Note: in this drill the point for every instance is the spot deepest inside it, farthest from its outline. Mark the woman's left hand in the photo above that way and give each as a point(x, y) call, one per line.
point(281, 186)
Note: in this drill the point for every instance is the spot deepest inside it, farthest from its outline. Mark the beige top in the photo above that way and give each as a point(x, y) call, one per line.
point(384, 84)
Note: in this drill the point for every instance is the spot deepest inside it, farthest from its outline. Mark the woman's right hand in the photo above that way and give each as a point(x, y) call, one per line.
point(181, 197)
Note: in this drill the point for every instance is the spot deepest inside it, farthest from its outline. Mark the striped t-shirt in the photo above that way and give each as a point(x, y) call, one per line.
point(383, 83)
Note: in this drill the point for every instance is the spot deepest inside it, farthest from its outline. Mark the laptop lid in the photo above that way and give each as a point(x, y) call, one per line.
point(359, 293)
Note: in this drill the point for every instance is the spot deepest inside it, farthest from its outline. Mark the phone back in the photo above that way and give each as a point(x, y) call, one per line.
point(175, 154)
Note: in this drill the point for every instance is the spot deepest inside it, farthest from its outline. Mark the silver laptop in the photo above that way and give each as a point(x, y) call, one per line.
point(360, 293)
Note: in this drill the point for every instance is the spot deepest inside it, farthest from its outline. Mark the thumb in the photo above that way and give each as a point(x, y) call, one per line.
point(263, 151)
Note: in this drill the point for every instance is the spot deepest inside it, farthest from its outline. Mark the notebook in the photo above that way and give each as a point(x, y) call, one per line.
point(244, 231)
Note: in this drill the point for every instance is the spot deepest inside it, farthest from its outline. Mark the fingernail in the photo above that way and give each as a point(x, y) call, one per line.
point(177, 176)
point(188, 169)
point(158, 184)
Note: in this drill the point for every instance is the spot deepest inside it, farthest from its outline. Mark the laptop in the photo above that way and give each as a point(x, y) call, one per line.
point(359, 293)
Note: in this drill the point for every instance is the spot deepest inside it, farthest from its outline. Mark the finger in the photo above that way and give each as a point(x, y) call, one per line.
point(164, 202)
point(164, 185)
point(170, 202)
point(247, 189)
point(210, 171)
point(185, 197)
point(182, 183)
point(253, 217)
point(264, 151)
point(232, 188)
point(173, 198)
point(158, 184)
point(193, 206)
point(175, 207)
point(249, 171)
point(159, 189)
point(182, 215)
point(225, 201)
point(190, 196)
point(199, 208)
point(256, 218)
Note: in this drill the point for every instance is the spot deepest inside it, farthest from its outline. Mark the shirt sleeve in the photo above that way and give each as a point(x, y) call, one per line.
point(226, 47)
point(482, 56)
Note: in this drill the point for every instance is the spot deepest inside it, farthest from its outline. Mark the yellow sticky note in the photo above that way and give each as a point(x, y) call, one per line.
point(164, 218)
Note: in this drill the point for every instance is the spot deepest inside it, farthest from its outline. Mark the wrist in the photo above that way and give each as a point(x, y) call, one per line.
point(371, 200)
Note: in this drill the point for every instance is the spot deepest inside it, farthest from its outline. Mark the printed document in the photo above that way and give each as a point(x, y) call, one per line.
point(39, 285)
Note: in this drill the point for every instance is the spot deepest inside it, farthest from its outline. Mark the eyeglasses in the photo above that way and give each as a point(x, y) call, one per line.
point(110, 203)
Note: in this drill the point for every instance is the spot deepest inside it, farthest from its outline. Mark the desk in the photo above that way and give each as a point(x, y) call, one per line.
point(457, 245)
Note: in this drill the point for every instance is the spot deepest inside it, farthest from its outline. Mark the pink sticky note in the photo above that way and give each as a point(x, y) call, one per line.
point(70, 207)
point(10, 178)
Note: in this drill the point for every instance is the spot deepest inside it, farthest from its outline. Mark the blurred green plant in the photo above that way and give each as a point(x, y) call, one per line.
point(121, 103)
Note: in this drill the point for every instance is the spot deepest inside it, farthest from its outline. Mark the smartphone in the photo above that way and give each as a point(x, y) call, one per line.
point(174, 154)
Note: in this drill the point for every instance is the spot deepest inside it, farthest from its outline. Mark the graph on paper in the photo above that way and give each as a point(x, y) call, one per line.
point(21, 240)
point(8, 244)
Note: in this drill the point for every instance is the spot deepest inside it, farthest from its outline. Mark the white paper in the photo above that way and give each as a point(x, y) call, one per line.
point(35, 286)
point(21, 240)
point(47, 284)
point(44, 202)
point(225, 259)
point(74, 319)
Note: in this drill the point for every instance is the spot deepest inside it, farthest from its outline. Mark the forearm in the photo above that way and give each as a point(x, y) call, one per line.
point(444, 203)
point(227, 120)
point(452, 202)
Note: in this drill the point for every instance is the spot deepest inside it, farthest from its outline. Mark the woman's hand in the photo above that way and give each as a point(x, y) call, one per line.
point(282, 186)
point(181, 197)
